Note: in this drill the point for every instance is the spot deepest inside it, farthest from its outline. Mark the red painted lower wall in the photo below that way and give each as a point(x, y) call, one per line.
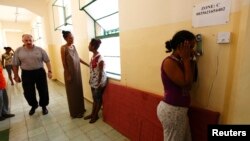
point(133, 113)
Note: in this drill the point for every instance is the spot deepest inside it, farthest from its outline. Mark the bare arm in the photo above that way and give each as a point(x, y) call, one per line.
point(3, 61)
point(63, 58)
point(86, 64)
point(180, 77)
point(65, 66)
point(101, 64)
point(49, 70)
point(174, 72)
point(48, 66)
point(15, 71)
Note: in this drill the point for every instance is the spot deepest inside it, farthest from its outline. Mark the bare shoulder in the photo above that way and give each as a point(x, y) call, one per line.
point(63, 47)
point(169, 65)
point(167, 62)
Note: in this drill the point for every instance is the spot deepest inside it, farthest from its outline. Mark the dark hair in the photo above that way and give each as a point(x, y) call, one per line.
point(95, 43)
point(65, 34)
point(178, 38)
point(7, 48)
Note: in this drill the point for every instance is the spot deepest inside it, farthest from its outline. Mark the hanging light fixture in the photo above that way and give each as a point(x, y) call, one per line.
point(16, 14)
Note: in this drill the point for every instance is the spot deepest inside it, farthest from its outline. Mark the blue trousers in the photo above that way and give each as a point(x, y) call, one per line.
point(4, 102)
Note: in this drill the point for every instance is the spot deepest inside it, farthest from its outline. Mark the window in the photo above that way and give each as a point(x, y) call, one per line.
point(110, 50)
point(62, 15)
point(105, 15)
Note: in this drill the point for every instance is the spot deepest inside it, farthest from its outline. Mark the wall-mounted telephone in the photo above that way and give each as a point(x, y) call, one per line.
point(198, 48)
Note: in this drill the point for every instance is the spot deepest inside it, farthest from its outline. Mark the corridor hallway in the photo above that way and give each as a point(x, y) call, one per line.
point(57, 125)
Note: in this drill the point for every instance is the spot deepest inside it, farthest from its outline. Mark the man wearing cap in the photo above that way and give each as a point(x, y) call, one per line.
point(30, 58)
point(7, 62)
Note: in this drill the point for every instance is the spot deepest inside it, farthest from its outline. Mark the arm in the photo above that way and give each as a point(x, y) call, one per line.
point(15, 66)
point(65, 66)
point(174, 72)
point(63, 58)
point(16, 76)
point(12, 54)
point(45, 58)
point(86, 64)
point(49, 70)
point(3, 61)
point(100, 66)
point(180, 77)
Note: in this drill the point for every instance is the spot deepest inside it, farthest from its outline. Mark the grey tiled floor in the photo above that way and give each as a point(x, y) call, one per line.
point(57, 125)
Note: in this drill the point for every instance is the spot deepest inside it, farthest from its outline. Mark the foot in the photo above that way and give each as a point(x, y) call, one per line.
point(93, 120)
point(2, 118)
point(87, 117)
point(32, 110)
point(79, 116)
point(8, 115)
point(45, 111)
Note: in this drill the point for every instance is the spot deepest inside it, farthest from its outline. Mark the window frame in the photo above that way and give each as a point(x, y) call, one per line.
point(65, 17)
point(95, 21)
point(106, 34)
point(116, 76)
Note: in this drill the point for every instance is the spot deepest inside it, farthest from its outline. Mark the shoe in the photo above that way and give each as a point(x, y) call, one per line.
point(2, 118)
point(79, 116)
point(32, 110)
point(45, 111)
point(8, 115)
point(93, 120)
point(87, 117)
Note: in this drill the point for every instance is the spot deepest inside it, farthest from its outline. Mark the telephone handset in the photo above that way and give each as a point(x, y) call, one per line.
point(199, 50)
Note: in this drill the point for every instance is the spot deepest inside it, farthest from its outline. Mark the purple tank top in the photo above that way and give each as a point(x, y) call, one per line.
point(174, 94)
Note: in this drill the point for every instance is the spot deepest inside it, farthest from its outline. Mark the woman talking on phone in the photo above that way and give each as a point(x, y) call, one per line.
point(177, 77)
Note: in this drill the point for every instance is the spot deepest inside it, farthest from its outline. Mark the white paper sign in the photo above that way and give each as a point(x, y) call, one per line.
point(213, 12)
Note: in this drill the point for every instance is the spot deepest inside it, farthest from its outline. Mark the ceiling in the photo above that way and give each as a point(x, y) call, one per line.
point(15, 14)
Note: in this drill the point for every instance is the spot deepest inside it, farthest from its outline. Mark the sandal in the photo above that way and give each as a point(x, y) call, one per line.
point(93, 120)
point(87, 117)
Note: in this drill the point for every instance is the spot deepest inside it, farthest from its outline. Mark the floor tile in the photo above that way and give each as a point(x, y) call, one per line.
point(57, 125)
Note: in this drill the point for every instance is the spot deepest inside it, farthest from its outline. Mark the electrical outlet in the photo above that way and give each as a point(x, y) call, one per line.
point(223, 37)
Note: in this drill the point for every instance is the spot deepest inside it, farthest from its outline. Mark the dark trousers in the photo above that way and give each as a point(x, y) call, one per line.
point(97, 94)
point(32, 79)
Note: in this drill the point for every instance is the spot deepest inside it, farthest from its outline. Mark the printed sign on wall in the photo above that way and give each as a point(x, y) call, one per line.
point(213, 12)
